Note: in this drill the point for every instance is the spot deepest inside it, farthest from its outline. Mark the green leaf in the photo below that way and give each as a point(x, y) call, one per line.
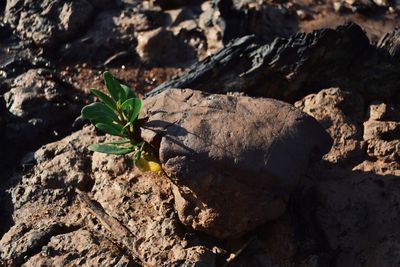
point(128, 91)
point(112, 85)
point(128, 104)
point(98, 111)
point(120, 142)
point(105, 98)
point(113, 129)
point(136, 109)
point(106, 120)
point(109, 148)
point(137, 154)
point(132, 105)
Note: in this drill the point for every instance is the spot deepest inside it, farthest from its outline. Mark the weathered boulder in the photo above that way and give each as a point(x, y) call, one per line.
point(228, 156)
point(48, 22)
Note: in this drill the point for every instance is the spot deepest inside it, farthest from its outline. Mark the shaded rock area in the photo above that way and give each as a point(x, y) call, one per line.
point(227, 156)
point(26, 126)
point(63, 205)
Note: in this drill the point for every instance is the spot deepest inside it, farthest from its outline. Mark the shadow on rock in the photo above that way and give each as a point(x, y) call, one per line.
point(40, 109)
point(352, 215)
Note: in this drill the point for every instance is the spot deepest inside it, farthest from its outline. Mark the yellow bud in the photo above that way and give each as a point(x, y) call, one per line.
point(147, 165)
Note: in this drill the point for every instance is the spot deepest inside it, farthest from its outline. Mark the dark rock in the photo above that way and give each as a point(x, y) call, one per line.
point(289, 69)
point(171, 4)
point(161, 47)
point(103, 4)
point(16, 57)
point(391, 43)
point(48, 22)
point(228, 156)
point(268, 69)
point(240, 18)
point(5, 30)
point(111, 31)
point(41, 109)
point(356, 212)
point(3, 115)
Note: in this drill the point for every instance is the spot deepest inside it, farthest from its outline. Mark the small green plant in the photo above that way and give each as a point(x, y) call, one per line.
point(117, 114)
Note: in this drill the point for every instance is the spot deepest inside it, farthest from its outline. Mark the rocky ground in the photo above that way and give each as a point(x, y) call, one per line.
point(269, 186)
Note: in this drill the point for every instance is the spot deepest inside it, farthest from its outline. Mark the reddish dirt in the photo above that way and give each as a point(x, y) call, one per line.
point(140, 79)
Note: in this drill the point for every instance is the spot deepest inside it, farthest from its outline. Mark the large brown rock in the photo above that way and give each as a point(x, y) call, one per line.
point(234, 160)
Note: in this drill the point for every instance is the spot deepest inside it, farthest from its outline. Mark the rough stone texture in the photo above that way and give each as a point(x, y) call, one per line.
point(356, 213)
point(17, 58)
point(341, 114)
point(348, 213)
point(382, 135)
point(391, 43)
point(143, 203)
point(78, 248)
point(48, 22)
point(339, 216)
point(245, 143)
point(41, 105)
point(111, 32)
point(234, 19)
point(289, 69)
point(50, 227)
point(161, 47)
